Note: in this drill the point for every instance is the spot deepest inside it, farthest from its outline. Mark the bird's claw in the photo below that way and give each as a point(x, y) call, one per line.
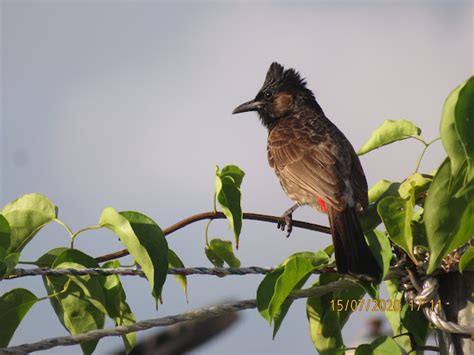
point(286, 221)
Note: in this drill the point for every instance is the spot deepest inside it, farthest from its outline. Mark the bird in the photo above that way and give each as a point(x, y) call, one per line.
point(315, 164)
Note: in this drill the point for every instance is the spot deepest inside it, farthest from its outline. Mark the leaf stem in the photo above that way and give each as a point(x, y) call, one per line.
point(419, 139)
point(74, 235)
point(69, 230)
point(66, 286)
point(434, 141)
point(420, 158)
point(206, 231)
point(426, 145)
point(86, 229)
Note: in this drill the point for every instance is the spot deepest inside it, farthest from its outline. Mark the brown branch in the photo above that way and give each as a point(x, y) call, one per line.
point(219, 215)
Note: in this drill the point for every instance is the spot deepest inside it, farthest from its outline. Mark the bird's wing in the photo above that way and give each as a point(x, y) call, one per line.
point(313, 161)
point(358, 181)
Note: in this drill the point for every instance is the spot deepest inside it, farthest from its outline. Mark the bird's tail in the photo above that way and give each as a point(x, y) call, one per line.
point(353, 255)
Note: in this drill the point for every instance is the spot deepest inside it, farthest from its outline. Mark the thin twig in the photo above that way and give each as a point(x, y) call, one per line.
point(219, 215)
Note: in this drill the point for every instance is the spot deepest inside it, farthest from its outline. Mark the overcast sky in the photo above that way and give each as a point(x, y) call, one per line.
point(128, 104)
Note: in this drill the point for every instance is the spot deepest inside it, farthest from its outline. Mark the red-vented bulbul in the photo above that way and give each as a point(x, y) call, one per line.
point(315, 163)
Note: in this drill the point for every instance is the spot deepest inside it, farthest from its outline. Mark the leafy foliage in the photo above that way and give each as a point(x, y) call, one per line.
point(273, 291)
point(325, 319)
point(220, 251)
point(380, 246)
point(144, 240)
point(406, 320)
point(13, 307)
point(116, 304)
point(78, 301)
point(456, 128)
point(390, 131)
point(449, 214)
point(228, 194)
point(26, 216)
point(396, 214)
point(423, 217)
point(380, 346)
point(175, 261)
point(467, 260)
point(4, 233)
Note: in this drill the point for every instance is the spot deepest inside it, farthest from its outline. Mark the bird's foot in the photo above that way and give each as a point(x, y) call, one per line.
point(286, 222)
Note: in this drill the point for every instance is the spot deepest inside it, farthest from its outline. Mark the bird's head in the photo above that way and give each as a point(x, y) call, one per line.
point(283, 91)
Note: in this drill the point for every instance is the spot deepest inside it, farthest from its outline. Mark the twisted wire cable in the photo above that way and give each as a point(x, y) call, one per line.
point(428, 293)
point(134, 271)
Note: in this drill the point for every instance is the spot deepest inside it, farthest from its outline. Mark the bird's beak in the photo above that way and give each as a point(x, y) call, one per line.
point(252, 105)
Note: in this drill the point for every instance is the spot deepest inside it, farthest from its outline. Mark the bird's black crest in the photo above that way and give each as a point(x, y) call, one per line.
point(288, 77)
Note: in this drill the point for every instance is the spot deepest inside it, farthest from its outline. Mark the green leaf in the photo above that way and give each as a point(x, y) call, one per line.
point(414, 185)
point(265, 292)
point(235, 172)
point(381, 346)
point(403, 320)
point(419, 234)
point(396, 214)
point(47, 259)
point(449, 215)
point(372, 288)
point(380, 247)
point(78, 301)
point(219, 251)
point(324, 326)
point(467, 260)
point(370, 219)
point(13, 307)
point(415, 323)
point(175, 261)
point(8, 263)
point(4, 233)
point(394, 316)
point(390, 131)
point(277, 285)
point(144, 240)
point(296, 267)
point(280, 316)
point(348, 295)
point(385, 346)
point(26, 216)
point(228, 194)
point(3, 266)
point(457, 125)
point(364, 349)
point(117, 306)
point(465, 123)
point(91, 286)
point(74, 312)
point(329, 250)
point(215, 259)
point(325, 321)
point(379, 189)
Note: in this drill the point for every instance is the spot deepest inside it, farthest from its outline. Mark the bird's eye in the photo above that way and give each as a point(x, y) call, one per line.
point(267, 94)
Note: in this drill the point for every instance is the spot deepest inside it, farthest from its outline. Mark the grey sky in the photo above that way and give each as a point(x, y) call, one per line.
point(127, 104)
